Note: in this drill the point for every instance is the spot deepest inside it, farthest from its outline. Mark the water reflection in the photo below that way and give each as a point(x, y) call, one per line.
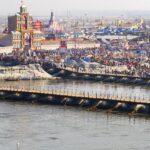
point(47, 127)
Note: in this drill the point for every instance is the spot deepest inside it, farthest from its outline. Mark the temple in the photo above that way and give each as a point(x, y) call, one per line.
point(24, 36)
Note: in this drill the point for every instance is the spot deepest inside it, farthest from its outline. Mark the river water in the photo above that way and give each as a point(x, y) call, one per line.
point(45, 127)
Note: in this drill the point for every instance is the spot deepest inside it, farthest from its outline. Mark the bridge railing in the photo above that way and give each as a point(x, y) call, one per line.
point(96, 72)
point(77, 93)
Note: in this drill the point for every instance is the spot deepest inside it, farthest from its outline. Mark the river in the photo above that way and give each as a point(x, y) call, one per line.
point(45, 127)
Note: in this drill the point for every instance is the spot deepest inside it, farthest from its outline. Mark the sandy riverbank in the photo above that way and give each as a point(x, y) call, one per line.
point(24, 72)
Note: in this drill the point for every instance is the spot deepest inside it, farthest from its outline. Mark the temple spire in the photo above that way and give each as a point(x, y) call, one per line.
point(22, 2)
point(23, 7)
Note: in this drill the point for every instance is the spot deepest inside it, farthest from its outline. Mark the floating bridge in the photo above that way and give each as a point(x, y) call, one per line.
point(98, 76)
point(95, 101)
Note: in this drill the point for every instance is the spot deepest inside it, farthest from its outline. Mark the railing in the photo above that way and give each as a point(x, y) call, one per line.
point(74, 93)
point(96, 72)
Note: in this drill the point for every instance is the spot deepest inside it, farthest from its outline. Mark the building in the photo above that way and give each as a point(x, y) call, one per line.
point(24, 36)
point(37, 25)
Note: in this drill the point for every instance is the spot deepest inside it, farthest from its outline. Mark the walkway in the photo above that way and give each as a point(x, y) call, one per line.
point(75, 94)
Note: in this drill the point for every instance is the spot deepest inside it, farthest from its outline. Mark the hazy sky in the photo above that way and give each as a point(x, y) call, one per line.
point(44, 7)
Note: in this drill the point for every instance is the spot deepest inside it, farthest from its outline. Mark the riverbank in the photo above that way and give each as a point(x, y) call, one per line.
point(24, 72)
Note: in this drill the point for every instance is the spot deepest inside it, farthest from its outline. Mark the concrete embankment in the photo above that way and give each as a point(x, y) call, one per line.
point(24, 72)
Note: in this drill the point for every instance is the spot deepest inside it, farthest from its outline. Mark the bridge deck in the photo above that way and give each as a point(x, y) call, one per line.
point(97, 72)
point(81, 95)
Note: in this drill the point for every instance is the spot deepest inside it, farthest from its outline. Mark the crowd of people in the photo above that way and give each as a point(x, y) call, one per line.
point(111, 57)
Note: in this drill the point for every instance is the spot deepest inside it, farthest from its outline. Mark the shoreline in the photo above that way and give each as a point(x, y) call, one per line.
point(24, 72)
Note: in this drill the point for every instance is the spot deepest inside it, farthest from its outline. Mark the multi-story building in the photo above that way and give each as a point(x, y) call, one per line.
point(37, 25)
point(24, 36)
